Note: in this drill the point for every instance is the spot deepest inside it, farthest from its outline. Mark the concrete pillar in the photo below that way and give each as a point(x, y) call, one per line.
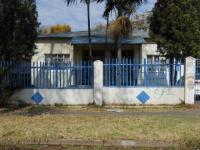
point(190, 65)
point(98, 82)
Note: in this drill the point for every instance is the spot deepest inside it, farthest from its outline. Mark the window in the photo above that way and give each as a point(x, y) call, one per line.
point(149, 59)
point(155, 59)
point(57, 58)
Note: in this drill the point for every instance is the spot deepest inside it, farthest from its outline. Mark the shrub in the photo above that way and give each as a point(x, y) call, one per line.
point(6, 92)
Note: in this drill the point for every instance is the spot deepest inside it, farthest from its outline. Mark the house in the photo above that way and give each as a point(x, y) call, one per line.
point(73, 47)
point(79, 83)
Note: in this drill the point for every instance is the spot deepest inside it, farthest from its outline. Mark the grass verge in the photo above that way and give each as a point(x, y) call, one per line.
point(22, 128)
point(32, 109)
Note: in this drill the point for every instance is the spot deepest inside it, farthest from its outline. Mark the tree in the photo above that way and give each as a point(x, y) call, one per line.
point(141, 21)
point(99, 28)
point(45, 30)
point(175, 26)
point(87, 2)
point(18, 32)
point(19, 28)
point(60, 28)
point(55, 29)
point(119, 29)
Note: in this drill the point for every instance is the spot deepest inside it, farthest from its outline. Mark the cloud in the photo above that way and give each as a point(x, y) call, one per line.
point(57, 12)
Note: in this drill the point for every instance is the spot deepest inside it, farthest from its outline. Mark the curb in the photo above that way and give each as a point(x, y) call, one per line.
point(111, 143)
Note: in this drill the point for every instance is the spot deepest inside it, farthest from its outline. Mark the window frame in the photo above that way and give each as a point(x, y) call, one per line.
point(54, 59)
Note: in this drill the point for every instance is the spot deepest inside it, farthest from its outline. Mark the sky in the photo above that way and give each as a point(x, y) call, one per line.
point(51, 12)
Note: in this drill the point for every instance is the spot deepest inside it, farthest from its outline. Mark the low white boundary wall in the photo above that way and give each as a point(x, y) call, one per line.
point(129, 96)
point(111, 96)
point(58, 96)
point(116, 95)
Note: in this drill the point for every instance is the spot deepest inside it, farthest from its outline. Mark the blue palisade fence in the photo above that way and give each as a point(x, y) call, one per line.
point(129, 73)
point(43, 75)
point(134, 74)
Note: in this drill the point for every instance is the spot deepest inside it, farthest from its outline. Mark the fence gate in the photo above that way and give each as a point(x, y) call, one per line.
point(197, 80)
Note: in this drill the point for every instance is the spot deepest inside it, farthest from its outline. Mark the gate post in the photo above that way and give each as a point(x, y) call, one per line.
point(98, 82)
point(190, 68)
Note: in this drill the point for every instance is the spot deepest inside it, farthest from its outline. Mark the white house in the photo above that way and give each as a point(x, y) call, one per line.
point(152, 83)
point(73, 47)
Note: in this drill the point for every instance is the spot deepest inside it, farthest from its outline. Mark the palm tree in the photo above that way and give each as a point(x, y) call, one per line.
point(122, 26)
point(120, 8)
point(87, 2)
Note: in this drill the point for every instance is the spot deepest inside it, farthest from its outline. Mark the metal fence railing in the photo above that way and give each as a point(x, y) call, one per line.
point(48, 76)
point(128, 74)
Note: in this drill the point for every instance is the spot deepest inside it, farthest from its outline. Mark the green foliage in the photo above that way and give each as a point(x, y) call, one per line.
point(175, 26)
point(18, 32)
point(5, 87)
point(6, 92)
point(19, 27)
point(121, 7)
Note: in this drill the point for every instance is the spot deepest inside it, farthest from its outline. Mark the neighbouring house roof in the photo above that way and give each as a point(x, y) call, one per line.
point(81, 37)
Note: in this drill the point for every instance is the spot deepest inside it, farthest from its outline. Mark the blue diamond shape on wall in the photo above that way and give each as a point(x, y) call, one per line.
point(37, 98)
point(143, 97)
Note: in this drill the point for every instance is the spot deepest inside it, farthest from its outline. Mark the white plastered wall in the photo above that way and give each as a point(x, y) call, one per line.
point(52, 47)
point(148, 49)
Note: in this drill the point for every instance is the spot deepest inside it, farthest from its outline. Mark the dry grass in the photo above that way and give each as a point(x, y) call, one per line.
point(92, 108)
point(45, 127)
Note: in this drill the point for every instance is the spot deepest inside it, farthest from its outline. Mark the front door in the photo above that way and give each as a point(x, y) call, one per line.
point(98, 55)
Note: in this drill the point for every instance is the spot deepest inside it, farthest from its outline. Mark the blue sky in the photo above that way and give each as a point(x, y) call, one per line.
point(56, 12)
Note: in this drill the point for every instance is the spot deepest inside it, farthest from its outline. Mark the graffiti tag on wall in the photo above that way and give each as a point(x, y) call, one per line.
point(162, 92)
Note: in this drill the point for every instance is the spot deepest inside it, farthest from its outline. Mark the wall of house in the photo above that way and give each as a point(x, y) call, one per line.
point(63, 46)
point(148, 49)
point(50, 46)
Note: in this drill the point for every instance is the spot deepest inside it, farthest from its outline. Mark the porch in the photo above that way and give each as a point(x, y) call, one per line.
point(109, 52)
